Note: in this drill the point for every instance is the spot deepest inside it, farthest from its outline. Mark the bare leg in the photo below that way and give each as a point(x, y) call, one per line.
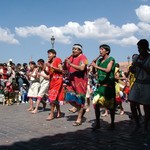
point(121, 109)
point(4, 101)
point(133, 107)
point(112, 116)
point(58, 111)
point(37, 106)
point(80, 114)
point(44, 104)
point(51, 116)
point(97, 115)
point(7, 101)
point(88, 104)
point(139, 110)
point(31, 104)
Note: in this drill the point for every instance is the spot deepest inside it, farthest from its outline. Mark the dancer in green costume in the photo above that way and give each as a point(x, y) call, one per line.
point(104, 96)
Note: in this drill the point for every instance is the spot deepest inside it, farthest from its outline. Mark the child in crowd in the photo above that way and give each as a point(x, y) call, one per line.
point(23, 93)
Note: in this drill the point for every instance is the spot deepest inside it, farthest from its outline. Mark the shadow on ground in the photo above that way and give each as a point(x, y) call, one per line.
point(87, 139)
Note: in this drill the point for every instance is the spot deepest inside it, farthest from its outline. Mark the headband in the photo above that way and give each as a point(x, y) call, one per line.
point(77, 46)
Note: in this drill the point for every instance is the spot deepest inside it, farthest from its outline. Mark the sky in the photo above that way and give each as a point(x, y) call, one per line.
point(26, 27)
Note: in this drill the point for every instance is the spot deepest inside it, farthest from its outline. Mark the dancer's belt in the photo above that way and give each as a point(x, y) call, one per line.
point(104, 85)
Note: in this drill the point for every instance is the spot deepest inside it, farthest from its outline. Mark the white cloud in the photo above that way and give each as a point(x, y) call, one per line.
point(43, 32)
point(97, 29)
point(129, 41)
point(144, 26)
point(100, 29)
point(130, 28)
point(143, 13)
point(132, 40)
point(7, 37)
point(144, 29)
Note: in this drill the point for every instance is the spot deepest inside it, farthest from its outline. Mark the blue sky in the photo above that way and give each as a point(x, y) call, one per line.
point(26, 27)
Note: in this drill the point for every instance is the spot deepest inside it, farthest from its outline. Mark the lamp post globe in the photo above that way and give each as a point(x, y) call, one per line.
point(52, 41)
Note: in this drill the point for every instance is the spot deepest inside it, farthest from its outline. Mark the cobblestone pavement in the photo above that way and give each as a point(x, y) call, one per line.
point(21, 130)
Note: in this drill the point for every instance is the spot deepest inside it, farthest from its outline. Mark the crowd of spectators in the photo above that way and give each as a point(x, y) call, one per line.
point(14, 83)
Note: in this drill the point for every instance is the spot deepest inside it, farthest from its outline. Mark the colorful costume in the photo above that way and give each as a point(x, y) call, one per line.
point(105, 92)
point(56, 90)
point(77, 86)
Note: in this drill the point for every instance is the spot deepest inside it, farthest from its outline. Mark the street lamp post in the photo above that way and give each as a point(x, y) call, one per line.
point(52, 41)
point(128, 58)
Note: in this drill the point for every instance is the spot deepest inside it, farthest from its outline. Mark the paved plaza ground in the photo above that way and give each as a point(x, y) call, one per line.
point(21, 130)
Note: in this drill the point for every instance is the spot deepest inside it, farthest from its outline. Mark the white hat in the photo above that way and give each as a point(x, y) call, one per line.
point(10, 59)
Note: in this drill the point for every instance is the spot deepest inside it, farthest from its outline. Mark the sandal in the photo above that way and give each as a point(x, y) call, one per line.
point(73, 110)
point(49, 118)
point(30, 109)
point(77, 123)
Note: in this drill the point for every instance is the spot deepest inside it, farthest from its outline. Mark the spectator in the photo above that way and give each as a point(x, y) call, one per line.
point(139, 93)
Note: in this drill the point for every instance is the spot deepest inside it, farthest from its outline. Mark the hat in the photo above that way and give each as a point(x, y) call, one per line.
point(10, 59)
point(79, 46)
